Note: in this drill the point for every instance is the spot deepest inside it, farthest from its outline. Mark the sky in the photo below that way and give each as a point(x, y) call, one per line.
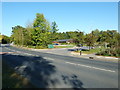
point(60, 0)
point(69, 16)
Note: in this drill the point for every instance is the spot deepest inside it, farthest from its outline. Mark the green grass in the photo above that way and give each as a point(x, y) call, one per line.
point(10, 79)
point(91, 51)
point(64, 46)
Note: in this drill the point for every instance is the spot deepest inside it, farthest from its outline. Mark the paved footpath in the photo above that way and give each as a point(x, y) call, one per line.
point(96, 57)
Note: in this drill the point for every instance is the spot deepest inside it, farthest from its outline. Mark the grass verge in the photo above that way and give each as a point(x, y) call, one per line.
point(91, 51)
point(64, 46)
point(10, 79)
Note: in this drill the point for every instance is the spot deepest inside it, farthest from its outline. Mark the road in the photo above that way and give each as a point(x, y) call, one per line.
point(45, 70)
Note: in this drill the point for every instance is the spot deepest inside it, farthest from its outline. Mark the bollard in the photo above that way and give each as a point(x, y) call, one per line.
point(80, 52)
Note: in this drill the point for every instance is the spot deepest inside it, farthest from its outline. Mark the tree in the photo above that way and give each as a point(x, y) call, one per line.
point(77, 36)
point(5, 39)
point(54, 27)
point(0, 38)
point(90, 40)
point(40, 23)
point(18, 35)
point(96, 34)
point(112, 40)
point(107, 38)
point(41, 27)
point(28, 33)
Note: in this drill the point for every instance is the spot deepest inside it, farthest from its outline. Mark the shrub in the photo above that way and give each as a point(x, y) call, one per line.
point(110, 52)
point(40, 47)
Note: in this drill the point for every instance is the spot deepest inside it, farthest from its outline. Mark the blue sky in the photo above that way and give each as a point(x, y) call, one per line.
point(69, 16)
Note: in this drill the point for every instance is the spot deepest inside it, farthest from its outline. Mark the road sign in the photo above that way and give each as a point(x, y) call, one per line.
point(50, 46)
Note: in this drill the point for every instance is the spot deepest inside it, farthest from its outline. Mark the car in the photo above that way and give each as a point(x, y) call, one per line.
point(79, 45)
point(55, 44)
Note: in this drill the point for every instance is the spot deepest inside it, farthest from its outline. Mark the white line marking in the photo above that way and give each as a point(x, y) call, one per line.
point(71, 63)
point(48, 52)
point(21, 52)
point(65, 62)
point(107, 57)
point(90, 67)
point(111, 57)
point(27, 53)
point(49, 58)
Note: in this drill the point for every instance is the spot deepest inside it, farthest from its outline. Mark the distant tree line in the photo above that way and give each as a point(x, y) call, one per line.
point(41, 33)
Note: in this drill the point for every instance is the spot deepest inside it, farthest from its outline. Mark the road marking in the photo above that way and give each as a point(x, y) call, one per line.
point(65, 62)
point(49, 58)
point(48, 52)
point(27, 53)
point(9, 49)
point(6, 52)
point(90, 67)
point(21, 52)
point(107, 57)
point(71, 63)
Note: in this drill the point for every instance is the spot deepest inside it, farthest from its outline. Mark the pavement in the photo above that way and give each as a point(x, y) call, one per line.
point(96, 57)
point(49, 70)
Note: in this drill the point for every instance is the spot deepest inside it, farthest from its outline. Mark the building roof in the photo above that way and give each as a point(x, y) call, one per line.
point(64, 40)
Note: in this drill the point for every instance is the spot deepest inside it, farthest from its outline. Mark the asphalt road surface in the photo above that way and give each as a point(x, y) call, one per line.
point(45, 70)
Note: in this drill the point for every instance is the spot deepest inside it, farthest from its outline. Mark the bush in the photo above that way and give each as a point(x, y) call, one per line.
point(40, 47)
point(5, 39)
point(110, 52)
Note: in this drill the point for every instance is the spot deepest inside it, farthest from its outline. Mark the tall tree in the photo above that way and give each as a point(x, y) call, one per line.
point(54, 27)
point(41, 28)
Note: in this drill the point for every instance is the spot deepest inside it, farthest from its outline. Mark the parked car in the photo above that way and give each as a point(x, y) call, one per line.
point(79, 45)
point(55, 44)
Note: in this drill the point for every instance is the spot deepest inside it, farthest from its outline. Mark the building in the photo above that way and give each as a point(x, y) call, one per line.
point(64, 41)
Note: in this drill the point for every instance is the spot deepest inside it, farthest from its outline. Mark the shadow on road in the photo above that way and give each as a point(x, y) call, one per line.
point(73, 81)
point(38, 71)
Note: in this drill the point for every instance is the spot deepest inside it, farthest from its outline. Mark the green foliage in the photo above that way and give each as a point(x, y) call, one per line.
point(54, 27)
point(110, 52)
point(90, 39)
point(41, 33)
point(18, 35)
point(0, 38)
point(70, 46)
point(5, 39)
point(35, 35)
point(91, 51)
